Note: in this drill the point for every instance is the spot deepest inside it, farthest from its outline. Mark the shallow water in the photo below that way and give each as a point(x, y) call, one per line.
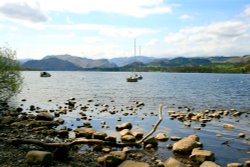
point(173, 90)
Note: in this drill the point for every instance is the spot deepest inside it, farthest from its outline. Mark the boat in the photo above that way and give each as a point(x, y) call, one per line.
point(45, 74)
point(138, 76)
point(132, 79)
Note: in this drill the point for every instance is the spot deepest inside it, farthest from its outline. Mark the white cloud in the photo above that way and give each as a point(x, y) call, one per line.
point(138, 8)
point(23, 11)
point(246, 12)
point(214, 39)
point(152, 42)
point(185, 17)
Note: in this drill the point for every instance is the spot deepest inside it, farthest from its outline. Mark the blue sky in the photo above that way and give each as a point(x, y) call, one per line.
point(107, 28)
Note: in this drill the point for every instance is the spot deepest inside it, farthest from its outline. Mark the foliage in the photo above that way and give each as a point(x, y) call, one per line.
point(10, 77)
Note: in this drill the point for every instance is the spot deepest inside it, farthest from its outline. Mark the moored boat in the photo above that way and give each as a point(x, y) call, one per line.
point(132, 79)
point(45, 74)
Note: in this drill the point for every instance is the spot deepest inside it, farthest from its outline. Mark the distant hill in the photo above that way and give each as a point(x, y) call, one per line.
point(53, 64)
point(180, 61)
point(67, 62)
point(123, 61)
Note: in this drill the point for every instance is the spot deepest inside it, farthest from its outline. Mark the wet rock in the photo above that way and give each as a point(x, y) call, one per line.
point(125, 132)
point(35, 123)
point(44, 116)
point(242, 135)
point(169, 146)
point(130, 163)
point(139, 104)
point(114, 158)
point(84, 132)
point(110, 138)
point(39, 157)
point(138, 135)
point(62, 133)
point(60, 121)
point(172, 162)
point(237, 113)
point(100, 135)
point(228, 126)
point(175, 138)
point(151, 141)
point(161, 137)
point(247, 163)
point(8, 120)
point(234, 165)
point(125, 125)
point(32, 108)
point(87, 124)
point(106, 150)
point(209, 164)
point(128, 138)
point(186, 145)
point(201, 155)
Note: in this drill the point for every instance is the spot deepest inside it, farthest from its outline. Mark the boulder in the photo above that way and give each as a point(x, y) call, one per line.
point(151, 141)
point(39, 157)
point(114, 158)
point(209, 164)
point(161, 137)
point(247, 163)
point(130, 163)
point(110, 138)
point(125, 125)
point(44, 116)
point(100, 135)
point(60, 120)
point(234, 165)
point(125, 132)
point(138, 135)
point(128, 138)
point(84, 132)
point(228, 126)
point(201, 155)
point(186, 145)
point(172, 162)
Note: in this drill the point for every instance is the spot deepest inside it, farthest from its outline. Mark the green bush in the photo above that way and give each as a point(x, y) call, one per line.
point(10, 77)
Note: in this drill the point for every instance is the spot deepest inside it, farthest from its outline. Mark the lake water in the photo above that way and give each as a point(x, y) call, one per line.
point(174, 90)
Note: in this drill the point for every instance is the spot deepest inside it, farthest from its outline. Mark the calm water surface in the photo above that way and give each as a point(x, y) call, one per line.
point(174, 90)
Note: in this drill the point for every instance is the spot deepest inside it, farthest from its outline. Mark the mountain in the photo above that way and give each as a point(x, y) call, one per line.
point(123, 61)
point(84, 62)
point(180, 61)
point(67, 62)
point(53, 64)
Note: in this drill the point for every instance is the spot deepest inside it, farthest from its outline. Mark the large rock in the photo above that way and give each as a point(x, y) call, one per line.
point(44, 116)
point(209, 164)
point(201, 155)
point(128, 138)
point(39, 157)
point(130, 163)
point(125, 125)
point(84, 132)
point(114, 158)
point(235, 165)
point(161, 137)
point(186, 145)
point(172, 162)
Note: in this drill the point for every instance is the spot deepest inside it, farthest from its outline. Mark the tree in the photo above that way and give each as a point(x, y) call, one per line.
point(10, 77)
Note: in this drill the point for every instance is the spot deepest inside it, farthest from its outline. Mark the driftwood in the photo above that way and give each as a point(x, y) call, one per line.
point(86, 141)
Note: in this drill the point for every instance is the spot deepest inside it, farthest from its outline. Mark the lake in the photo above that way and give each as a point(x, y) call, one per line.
point(176, 91)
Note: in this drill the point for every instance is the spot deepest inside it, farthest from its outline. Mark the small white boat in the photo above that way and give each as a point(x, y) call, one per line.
point(138, 76)
point(45, 74)
point(132, 79)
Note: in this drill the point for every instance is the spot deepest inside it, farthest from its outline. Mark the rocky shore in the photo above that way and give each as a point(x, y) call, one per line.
point(33, 138)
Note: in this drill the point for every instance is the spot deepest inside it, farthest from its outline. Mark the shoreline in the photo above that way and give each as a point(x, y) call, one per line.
point(16, 121)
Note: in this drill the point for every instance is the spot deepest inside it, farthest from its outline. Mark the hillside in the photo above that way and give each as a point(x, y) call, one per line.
point(67, 63)
point(123, 61)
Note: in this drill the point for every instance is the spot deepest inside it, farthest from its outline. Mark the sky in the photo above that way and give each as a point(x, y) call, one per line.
point(107, 28)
